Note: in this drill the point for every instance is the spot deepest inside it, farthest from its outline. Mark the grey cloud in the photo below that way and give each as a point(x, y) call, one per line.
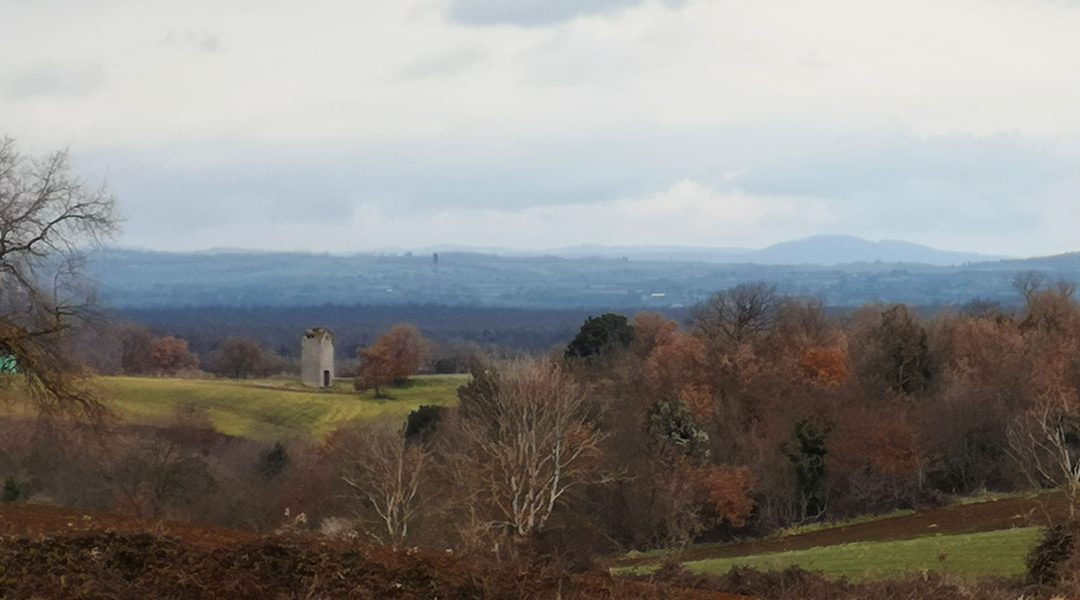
point(812, 60)
point(532, 12)
point(888, 182)
point(985, 183)
point(445, 64)
point(56, 79)
point(184, 200)
point(206, 41)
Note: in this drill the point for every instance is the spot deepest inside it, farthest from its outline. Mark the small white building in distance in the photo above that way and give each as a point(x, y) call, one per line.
point(317, 358)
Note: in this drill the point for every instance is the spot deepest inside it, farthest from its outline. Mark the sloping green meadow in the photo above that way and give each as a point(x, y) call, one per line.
point(270, 409)
point(989, 554)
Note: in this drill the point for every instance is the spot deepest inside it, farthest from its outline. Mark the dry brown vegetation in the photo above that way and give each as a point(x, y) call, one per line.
point(47, 552)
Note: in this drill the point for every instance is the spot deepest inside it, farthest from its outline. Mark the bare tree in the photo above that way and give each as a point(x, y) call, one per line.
point(1029, 284)
point(48, 220)
point(384, 471)
point(1050, 306)
point(735, 316)
point(527, 446)
point(1045, 442)
point(240, 358)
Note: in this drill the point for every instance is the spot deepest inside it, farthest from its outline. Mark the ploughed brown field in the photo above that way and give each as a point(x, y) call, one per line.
point(48, 552)
point(29, 520)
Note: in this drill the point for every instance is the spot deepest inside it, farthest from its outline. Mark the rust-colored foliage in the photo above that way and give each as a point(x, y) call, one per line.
point(728, 490)
point(700, 401)
point(825, 365)
point(171, 355)
point(892, 447)
point(884, 443)
point(394, 357)
point(651, 330)
point(678, 360)
point(673, 363)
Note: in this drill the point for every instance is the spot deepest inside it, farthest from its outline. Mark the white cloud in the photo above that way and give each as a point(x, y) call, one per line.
point(51, 80)
point(325, 70)
point(206, 41)
point(530, 12)
point(688, 213)
point(211, 85)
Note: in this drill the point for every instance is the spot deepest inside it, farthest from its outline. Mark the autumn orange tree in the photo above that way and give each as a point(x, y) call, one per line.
point(825, 365)
point(171, 355)
point(393, 358)
point(727, 493)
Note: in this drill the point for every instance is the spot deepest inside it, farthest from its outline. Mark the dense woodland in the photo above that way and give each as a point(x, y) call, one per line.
point(763, 411)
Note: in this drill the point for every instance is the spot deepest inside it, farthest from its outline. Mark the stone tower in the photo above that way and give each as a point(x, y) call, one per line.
point(317, 358)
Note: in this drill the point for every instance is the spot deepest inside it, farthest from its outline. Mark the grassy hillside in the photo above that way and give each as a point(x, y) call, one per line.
point(990, 554)
point(270, 409)
point(983, 536)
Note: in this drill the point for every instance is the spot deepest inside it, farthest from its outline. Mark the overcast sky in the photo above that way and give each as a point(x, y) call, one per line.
point(353, 125)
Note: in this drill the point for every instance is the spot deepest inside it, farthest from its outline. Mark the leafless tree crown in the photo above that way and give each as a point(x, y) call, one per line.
point(49, 219)
point(533, 442)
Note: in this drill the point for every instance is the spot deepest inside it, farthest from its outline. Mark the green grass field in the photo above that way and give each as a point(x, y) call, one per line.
point(270, 409)
point(660, 553)
point(994, 553)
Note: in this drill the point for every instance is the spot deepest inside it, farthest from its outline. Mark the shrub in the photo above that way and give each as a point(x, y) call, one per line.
point(423, 422)
point(11, 492)
point(273, 461)
point(1056, 548)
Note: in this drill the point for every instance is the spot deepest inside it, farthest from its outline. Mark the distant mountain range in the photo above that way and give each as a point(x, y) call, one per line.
point(842, 271)
point(825, 250)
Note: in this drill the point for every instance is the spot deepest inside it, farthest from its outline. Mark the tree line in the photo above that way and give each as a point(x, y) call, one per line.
point(762, 411)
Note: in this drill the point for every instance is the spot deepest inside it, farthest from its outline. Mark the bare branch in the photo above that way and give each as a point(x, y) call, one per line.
point(528, 445)
point(49, 219)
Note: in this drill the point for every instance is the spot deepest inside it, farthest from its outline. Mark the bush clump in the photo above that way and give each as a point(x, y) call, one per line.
point(1047, 561)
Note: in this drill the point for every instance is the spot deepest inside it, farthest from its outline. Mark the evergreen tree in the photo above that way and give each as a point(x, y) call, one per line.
point(808, 458)
point(11, 491)
point(273, 461)
point(600, 335)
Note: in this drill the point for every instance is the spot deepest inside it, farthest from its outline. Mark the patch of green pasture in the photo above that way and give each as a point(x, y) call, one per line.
point(989, 554)
point(271, 409)
point(660, 553)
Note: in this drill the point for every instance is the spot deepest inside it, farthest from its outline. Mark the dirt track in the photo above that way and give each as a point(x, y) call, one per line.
point(992, 515)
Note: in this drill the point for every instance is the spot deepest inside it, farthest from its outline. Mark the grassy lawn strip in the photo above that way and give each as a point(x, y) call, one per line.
point(660, 553)
point(270, 409)
point(994, 553)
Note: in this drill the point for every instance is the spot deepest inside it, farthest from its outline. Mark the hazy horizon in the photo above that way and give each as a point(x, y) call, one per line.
point(584, 248)
point(350, 127)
